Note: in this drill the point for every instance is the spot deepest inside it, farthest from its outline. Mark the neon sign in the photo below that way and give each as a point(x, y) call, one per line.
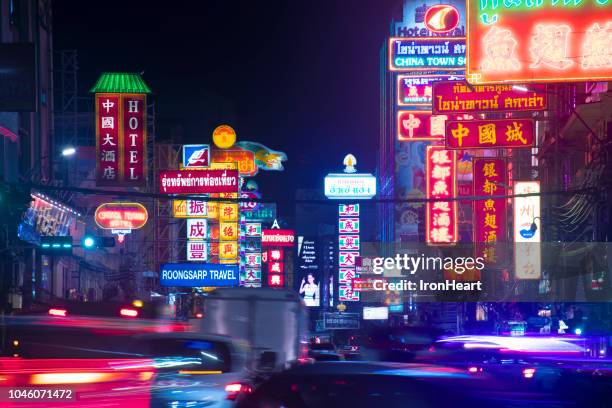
point(124, 216)
point(425, 54)
point(417, 90)
point(538, 41)
point(486, 134)
point(441, 18)
point(441, 224)
point(527, 250)
point(421, 125)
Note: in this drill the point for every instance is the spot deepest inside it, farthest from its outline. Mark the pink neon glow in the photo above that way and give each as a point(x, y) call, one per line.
point(517, 344)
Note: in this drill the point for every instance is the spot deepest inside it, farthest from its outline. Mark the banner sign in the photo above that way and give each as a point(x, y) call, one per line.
point(426, 54)
point(417, 90)
point(490, 179)
point(527, 251)
point(134, 168)
point(196, 156)
point(511, 41)
point(244, 158)
point(347, 258)
point(460, 97)
point(348, 242)
point(197, 275)
point(126, 216)
point(277, 238)
point(441, 224)
point(108, 147)
point(335, 321)
point(198, 181)
point(492, 133)
point(348, 225)
point(420, 126)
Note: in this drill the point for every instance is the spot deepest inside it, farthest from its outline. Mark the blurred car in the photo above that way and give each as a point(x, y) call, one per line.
point(394, 344)
point(324, 352)
point(186, 368)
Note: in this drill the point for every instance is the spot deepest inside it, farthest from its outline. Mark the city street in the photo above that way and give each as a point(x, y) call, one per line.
point(374, 203)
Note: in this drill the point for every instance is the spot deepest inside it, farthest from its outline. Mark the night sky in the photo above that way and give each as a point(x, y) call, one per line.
point(298, 76)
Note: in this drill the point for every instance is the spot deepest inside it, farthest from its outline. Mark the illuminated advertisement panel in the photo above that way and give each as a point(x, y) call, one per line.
point(108, 146)
point(460, 97)
point(417, 90)
point(198, 181)
point(134, 120)
point(244, 158)
point(487, 134)
point(350, 186)
point(421, 125)
point(527, 251)
point(125, 216)
point(540, 41)
point(441, 182)
point(426, 54)
point(490, 179)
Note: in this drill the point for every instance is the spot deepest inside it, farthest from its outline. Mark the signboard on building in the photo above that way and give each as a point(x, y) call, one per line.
point(441, 183)
point(376, 313)
point(490, 179)
point(197, 228)
point(264, 212)
point(545, 41)
point(420, 126)
point(190, 208)
point(197, 251)
point(350, 186)
point(196, 156)
point(491, 133)
point(253, 229)
point(429, 18)
point(244, 158)
point(348, 225)
point(416, 90)
point(277, 238)
point(348, 210)
point(527, 250)
point(198, 275)
point(121, 133)
point(198, 181)
point(121, 216)
point(426, 54)
point(335, 321)
point(460, 97)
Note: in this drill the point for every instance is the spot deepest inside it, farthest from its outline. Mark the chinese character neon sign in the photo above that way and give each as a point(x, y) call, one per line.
point(441, 224)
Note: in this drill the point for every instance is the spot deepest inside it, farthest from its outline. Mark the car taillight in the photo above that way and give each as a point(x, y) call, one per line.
point(474, 369)
point(125, 312)
point(529, 372)
point(235, 389)
point(58, 312)
point(199, 315)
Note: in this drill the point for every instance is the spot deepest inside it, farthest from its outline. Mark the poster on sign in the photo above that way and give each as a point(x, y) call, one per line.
point(347, 258)
point(348, 210)
point(197, 251)
point(348, 225)
point(197, 229)
point(348, 242)
point(441, 216)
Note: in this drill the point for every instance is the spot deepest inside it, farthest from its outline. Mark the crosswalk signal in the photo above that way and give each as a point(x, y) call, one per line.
point(52, 245)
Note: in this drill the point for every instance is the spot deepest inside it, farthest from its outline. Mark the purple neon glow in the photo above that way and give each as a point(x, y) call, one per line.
point(516, 344)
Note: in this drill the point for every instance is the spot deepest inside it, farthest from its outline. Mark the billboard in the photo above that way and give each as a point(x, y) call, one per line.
point(417, 90)
point(490, 179)
point(196, 156)
point(123, 216)
point(376, 313)
point(310, 286)
point(511, 41)
point(491, 133)
point(197, 251)
point(441, 180)
point(198, 181)
point(460, 97)
point(527, 251)
point(426, 54)
point(197, 228)
point(420, 125)
point(190, 209)
point(198, 275)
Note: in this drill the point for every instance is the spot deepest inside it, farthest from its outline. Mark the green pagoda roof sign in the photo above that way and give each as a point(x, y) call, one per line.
point(120, 82)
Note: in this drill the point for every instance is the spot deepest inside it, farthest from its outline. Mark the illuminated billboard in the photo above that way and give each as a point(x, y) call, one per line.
point(196, 156)
point(426, 54)
point(539, 41)
point(350, 186)
point(198, 181)
point(416, 90)
point(121, 216)
point(244, 158)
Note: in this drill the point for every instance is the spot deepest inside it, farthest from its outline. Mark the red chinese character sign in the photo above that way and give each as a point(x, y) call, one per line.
point(545, 41)
point(420, 126)
point(490, 180)
point(441, 183)
point(121, 135)
point(460, 97)
point(417, 90)
point(487, 134)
